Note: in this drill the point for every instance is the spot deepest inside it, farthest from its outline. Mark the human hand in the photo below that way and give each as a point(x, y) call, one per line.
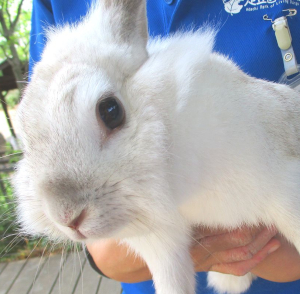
point(236, 252)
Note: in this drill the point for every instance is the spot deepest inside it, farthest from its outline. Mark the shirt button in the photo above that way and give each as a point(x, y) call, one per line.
point(169, 1)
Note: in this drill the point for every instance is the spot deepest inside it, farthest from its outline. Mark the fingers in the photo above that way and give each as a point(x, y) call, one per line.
point(201, 232)
point(245, 252)
point(246, 244)
point(222, 240)
point(261, 240)
point(243, 267)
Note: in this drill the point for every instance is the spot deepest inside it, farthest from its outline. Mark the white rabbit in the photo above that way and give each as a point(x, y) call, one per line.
point(140, 142)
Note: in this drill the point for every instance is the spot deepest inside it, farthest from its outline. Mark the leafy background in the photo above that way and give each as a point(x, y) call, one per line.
point(15, 18)
point(20, 37)
point(14, 40)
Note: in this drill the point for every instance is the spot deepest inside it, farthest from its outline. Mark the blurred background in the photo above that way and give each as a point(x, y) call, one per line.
point(30, 265)
point(15, 18)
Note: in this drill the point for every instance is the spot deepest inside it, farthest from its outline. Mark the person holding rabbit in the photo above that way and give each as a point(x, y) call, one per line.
point(248, 39)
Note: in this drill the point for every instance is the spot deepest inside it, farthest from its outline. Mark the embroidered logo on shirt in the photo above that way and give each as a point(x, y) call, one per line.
point(235, 6)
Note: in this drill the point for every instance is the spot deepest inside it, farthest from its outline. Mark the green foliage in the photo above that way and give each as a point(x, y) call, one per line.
point(14, 155)
point(12, 98)
point(14, 31)
point(13, 246)
point(8, 225)
point(20, 36)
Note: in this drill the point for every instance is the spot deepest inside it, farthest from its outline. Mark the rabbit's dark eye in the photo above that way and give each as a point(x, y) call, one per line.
point(111, 112)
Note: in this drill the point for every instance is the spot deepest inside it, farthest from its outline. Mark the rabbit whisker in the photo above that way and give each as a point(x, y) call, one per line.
point(8, 236)
point(119, 182)
point(5, 156)
point(81, 267)
point(111, 192)
point(39, 269)
point(5, 179)
point(22, 82)
point(39, 241)
point(8, 203)
point(11, 224)
point(10, 245)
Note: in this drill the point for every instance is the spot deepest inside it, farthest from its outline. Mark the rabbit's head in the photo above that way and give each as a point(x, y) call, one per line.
point(94, 147)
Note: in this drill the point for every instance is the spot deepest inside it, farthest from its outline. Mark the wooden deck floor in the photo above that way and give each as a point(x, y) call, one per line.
point(54, 275)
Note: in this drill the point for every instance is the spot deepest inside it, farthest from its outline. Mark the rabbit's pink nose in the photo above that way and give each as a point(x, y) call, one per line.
point(75, 223)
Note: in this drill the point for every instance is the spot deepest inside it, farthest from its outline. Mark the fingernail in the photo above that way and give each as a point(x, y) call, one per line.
point(274, 248)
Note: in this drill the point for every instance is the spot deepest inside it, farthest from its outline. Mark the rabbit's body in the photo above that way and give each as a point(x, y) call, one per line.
point(202, 143)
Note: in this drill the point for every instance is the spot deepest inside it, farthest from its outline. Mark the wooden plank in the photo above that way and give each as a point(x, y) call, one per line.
point(69, 275)
point(48, 275)
point(109, 286)
point(2, 266)
point(24, 281)
point(88, 282)
point(10, 273)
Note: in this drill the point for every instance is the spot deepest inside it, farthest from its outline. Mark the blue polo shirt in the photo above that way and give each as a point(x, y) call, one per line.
point(243, 35)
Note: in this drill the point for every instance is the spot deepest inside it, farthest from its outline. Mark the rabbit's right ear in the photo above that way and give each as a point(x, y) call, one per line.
point(131, 25)
point(122, 21)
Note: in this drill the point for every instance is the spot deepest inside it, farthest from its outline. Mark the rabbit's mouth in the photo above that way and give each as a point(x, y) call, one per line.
point(77, 231)
point(95, 228)
point(77, 235)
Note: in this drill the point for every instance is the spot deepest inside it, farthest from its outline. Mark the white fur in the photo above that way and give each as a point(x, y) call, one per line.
point(229, 284)
point(202, 143)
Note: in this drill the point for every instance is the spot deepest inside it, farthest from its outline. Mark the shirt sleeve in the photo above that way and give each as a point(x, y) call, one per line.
point(92, 262)
point(42, 17)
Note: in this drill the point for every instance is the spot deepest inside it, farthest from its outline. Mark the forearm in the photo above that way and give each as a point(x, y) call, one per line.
point(281, 266)
point(117, 263)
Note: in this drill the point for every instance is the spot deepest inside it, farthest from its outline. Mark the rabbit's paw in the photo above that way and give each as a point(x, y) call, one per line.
point(229, 284)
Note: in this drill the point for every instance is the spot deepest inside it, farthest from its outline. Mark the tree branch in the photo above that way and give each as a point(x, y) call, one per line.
point(7, 11)
point(14, 23)
point(4, 52)
point(3, 24)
